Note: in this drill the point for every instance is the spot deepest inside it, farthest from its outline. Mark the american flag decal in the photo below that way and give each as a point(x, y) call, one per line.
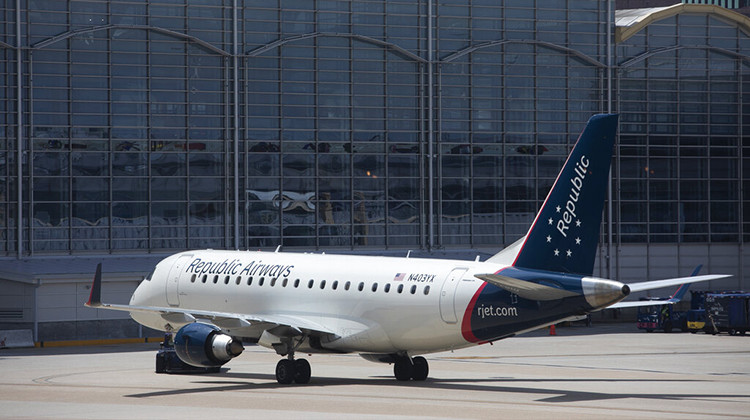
point(399, 277)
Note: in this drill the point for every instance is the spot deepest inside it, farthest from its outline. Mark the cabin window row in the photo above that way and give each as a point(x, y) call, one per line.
point(260, 281)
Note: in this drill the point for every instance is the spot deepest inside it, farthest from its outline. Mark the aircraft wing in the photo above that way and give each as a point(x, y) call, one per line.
point(658, 284)
point(224, 320)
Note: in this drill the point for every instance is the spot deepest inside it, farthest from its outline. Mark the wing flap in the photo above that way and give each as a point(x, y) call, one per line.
point(526, 289)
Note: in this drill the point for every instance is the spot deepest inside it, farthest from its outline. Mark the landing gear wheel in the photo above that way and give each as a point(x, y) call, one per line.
point(285, 371)
point(403, 369)
point(161, 363)
point(420, 368)
point(302, 371)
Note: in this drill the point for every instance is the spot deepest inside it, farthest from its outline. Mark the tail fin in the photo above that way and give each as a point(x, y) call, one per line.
point(565, 233)
point(680, 292)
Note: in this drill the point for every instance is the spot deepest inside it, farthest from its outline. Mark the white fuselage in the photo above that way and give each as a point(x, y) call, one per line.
point(372, 304)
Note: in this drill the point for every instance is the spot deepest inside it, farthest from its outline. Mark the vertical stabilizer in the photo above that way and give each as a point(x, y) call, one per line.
point(565, 233)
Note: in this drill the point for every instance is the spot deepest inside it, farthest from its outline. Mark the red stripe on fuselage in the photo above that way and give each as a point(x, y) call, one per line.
point(466, 323)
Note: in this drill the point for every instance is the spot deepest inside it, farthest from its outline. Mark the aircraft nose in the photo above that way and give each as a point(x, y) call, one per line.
point(141, 294)
point(600, 293)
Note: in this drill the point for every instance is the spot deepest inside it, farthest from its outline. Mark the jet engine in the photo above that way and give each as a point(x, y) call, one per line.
point(204, 345)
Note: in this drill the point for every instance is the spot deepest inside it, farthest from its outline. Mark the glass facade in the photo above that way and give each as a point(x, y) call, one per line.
point(684, 99)
point(157, 126)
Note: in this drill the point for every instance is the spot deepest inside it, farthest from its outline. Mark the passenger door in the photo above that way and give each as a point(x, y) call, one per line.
point(173, 298)
point(448, 295)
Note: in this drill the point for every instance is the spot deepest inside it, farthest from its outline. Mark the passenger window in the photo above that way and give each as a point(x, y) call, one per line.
point(238, 281)
point(226, 280)
point(192, 278)
point(347, 284)
point(216, 279)
point(310, 284)
point(400, 288)
point(374, 287)
point(273, 282)
point(414, 289)
point(284, 283)
point(260, 281)
point(387, 287)
point(322, 284)
point(205, 276)
point(250, 281)
point(361, 286)
point(296, 283)
point(335, 285)
point(426, 290)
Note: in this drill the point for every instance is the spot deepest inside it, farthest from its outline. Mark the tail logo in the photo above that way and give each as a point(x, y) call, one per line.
point(567, 217)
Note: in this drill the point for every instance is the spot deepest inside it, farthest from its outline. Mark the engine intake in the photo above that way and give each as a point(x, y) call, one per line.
point(204, 345)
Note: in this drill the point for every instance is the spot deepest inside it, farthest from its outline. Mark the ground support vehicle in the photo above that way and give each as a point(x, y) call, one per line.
point(727, 312)
point(660, 317)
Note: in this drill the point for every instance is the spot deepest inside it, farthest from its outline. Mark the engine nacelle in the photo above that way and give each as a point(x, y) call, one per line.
point(204, 345)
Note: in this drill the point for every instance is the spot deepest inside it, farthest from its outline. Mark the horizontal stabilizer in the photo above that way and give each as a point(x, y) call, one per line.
point(639, 303)
point(526, 289)
point(658, 284)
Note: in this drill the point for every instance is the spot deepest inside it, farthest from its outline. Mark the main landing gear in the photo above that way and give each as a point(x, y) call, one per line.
point(405, 368)
point(290, 370)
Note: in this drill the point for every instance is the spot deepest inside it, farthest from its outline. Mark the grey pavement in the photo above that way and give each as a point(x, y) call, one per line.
point(607, 371)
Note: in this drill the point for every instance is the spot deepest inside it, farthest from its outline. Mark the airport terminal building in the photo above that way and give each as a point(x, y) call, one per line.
point(130, 130)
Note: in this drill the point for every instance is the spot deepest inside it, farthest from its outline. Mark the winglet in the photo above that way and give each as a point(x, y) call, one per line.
point(95, 298)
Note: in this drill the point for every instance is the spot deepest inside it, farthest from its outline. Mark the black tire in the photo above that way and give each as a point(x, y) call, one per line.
point(285, 371)
point(161, 364)
point(302, 371)
point(420, 368)
point(402, 369)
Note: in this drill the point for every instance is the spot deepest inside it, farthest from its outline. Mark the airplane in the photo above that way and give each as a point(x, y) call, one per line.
point(392, 309)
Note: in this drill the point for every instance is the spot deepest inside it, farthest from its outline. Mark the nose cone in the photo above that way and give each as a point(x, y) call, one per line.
point(601, 293)
point(137, 298)
point(150, 292)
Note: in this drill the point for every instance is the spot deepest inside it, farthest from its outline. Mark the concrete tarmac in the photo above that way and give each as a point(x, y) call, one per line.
point(606, 371)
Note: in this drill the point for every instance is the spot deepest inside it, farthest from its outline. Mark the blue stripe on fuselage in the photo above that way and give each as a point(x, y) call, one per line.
point(495, 312)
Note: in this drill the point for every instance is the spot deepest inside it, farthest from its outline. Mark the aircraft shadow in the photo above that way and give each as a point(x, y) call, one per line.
point(238, 382)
